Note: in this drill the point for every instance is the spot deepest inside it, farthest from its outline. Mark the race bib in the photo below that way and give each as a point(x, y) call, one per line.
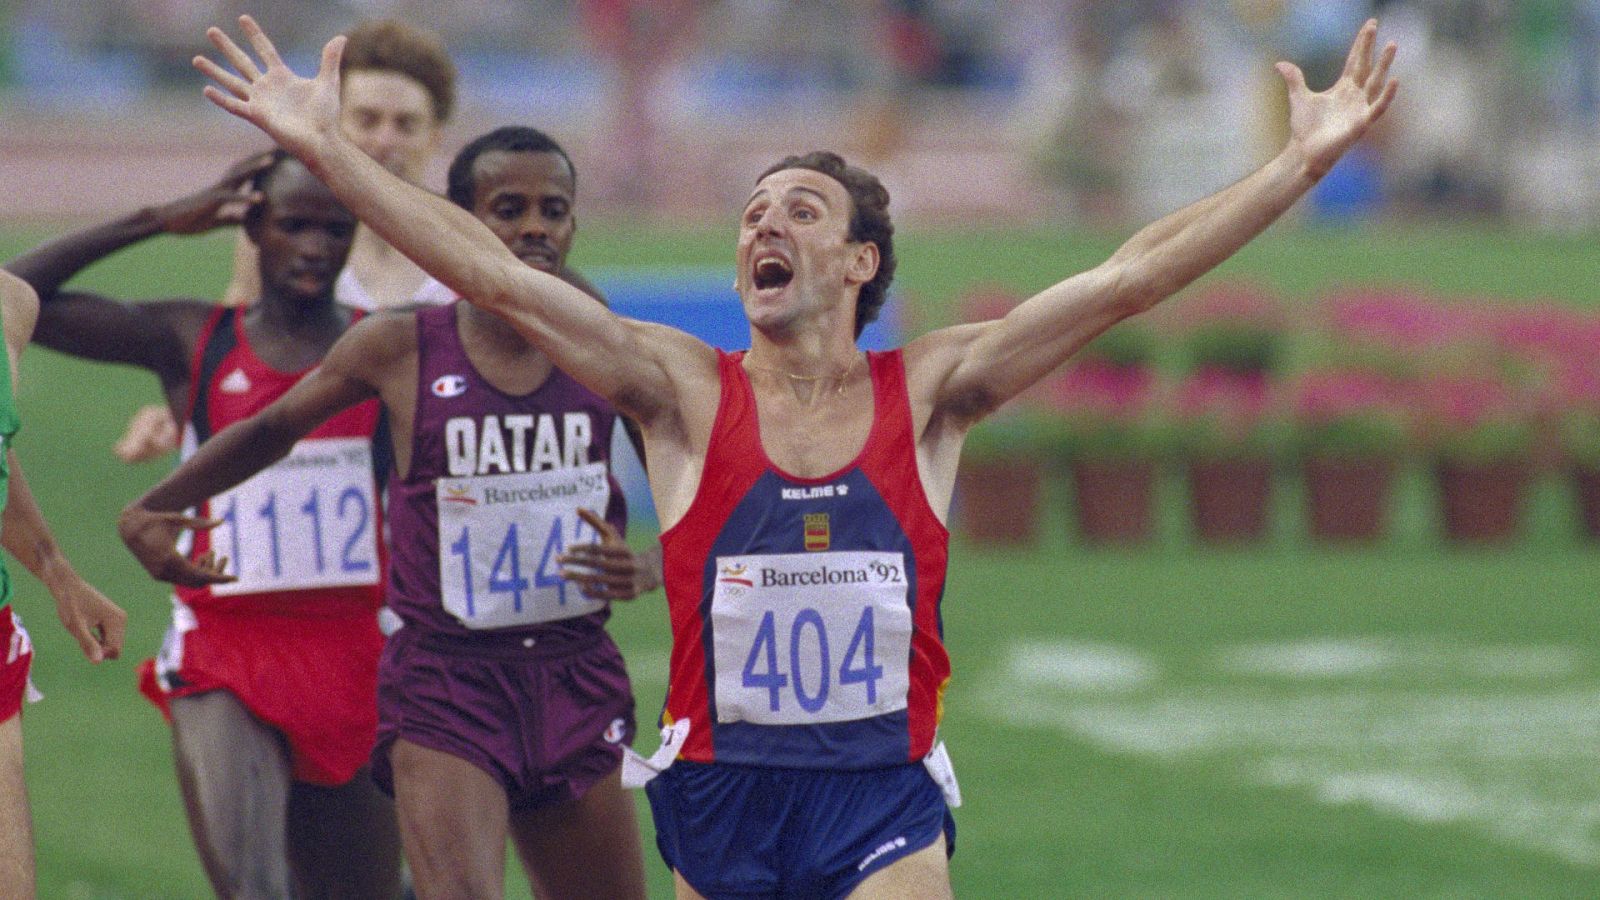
point(306, 522)
point(500, 535)
point(807, 638)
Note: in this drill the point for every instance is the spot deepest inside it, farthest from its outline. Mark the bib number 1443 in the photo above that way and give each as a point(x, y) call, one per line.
point(500, 536)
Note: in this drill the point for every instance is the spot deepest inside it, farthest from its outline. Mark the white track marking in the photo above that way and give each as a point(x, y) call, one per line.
point(1090, 668)
point(1501, 738)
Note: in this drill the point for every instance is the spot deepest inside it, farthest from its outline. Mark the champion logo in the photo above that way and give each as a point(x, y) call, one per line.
point(237, 382)
point(448, 386)
point(616, 731)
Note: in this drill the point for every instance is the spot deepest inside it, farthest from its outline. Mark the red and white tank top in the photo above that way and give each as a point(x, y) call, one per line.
point(304, 536)
point(805, 611)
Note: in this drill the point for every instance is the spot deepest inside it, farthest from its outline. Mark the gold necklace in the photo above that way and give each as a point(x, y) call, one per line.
point(844, 378)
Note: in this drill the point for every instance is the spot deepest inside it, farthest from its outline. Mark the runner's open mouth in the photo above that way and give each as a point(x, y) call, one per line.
point(772, 272)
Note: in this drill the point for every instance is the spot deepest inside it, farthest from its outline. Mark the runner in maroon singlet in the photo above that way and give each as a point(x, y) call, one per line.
point(504, 705)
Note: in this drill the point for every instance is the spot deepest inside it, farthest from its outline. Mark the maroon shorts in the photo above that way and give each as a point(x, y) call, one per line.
point(16, 657)
point(546, 722)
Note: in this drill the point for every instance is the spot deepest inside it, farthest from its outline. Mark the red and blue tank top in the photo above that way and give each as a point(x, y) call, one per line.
point(492, 495)
point(304, 536)
point(805, 611)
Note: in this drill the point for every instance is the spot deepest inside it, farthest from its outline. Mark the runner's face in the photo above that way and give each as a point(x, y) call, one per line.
point(526, 200)
point(303, 234)
point(794, 258)
point(391, 118)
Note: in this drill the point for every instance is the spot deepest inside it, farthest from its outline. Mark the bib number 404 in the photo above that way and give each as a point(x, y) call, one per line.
point(808, 647)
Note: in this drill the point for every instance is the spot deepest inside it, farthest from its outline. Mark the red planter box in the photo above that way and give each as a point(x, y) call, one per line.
point(1348, 497)
point(1481, 503)
point(998, 501)
point(1115, 500)
point(1229, 499)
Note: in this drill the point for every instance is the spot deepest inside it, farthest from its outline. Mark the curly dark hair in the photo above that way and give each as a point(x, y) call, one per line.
point(461, 182)
point(389, 45)
point(869, 221)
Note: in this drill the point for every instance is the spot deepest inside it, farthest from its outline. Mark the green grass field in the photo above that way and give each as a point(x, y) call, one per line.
point(1285, 721)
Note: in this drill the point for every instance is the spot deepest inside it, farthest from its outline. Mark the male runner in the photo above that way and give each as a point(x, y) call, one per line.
point(504, 706)
point(94, 621)
point(803, 485)
point(269, 683)
point(399, 91)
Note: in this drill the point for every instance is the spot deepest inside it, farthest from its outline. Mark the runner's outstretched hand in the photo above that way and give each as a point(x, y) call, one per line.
point(609, 570)
point(1324, 125)
point(297, 112)
point(152, 537)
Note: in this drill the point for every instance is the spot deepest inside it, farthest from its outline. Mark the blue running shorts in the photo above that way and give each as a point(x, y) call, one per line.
point(756, 831)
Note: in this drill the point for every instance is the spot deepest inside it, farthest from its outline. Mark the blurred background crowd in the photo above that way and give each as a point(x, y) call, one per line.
point(1099, 112)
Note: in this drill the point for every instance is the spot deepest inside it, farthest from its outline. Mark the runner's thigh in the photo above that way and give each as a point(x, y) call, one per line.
point(587, 847)
point(452, 822)
point(16, 825)
point(234, 772)
point(924, 875)
point(344, 841)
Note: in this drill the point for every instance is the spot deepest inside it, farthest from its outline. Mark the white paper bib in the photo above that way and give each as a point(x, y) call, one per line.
point(499, 537)
point(306, 522)
point(809, 638)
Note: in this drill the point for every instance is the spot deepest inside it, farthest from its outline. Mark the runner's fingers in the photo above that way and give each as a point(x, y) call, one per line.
point(332, 56)
point(260, 42)
point(198, 573)
point(1385, 99)
point(597, 556)
point(111, 633)
point(596, 583)
point(234, 54)
point(1380, 77)
point(1359, 62)
point(228, 81)
point(247, 168)
point(87, 641)
point(608, 532)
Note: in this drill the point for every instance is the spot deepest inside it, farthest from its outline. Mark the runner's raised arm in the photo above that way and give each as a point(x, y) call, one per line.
point(622, 360)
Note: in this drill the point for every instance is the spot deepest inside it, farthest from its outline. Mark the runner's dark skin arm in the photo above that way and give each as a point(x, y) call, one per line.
point(150, 524)
point(159, 336)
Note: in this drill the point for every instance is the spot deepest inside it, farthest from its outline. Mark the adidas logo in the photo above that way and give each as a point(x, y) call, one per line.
point(236, 383)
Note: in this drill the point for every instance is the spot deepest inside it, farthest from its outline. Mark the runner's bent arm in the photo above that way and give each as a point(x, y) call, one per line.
point(153, 335)
point(624, 361)
point(244, 448)
point(93, 620)
point(975, 368)
point(88, 615)
point(150, 524)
